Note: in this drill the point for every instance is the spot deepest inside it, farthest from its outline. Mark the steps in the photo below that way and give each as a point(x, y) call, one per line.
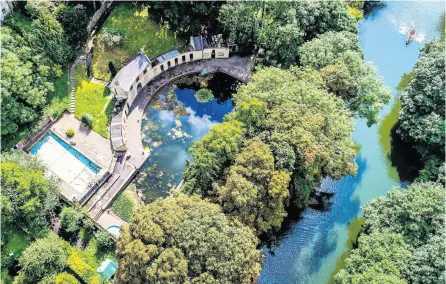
point(80, 60)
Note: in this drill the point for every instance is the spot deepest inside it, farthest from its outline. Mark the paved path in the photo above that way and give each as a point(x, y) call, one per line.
point(236, 66)
point(80, 60)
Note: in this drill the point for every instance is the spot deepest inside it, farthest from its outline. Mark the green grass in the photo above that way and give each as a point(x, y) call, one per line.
point(94, 99)
point(124, 206)
point(59, 100)
point(138, 32)
point(16, 241)
point(94, 257)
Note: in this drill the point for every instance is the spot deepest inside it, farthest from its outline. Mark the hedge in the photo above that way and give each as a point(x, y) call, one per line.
point(87, 273)
point(66, 278)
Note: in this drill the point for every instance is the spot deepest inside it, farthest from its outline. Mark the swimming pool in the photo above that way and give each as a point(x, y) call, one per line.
point(38, 147)
point(114, 230)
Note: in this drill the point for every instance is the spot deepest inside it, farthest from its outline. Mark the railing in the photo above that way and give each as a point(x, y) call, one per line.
point(32, 138)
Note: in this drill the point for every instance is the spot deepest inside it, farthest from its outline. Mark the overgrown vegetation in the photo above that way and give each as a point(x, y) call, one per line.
point(402, 240)
point(204, 95)
point(137, 32)
point(93, 103)
point(124, 206)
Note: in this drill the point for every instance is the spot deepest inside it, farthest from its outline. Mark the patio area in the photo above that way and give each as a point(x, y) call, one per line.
point(88, 142)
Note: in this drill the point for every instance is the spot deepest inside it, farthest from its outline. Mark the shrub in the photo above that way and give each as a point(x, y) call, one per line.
point(87, 273)
point(71, 219)
point(204, 95)
point(124, 206)
point(70, 132)
point(105, 241)
point(111, 38)
point(87, 119)
point(66, 278)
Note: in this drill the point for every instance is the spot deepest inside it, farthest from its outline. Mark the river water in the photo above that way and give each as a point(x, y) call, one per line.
point(311, 248)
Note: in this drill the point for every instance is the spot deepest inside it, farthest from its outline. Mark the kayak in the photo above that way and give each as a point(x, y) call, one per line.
point(411, 35)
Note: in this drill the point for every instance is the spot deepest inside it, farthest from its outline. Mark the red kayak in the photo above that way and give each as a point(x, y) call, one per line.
point(411, 35)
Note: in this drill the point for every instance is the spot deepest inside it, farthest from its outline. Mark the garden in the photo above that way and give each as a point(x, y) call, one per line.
point(128, 30)
point(93, 103)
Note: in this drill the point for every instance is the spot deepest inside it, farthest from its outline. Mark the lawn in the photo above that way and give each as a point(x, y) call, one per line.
point(16, 241)
point(93, 99)
point(137, 31)
point(59, 100)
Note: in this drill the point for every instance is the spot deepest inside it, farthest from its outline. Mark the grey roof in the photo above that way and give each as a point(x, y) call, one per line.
point(116, 131)
point(198, 42)
point(128, 74)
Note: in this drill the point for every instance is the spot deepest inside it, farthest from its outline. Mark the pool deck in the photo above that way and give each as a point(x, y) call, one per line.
point(91, 144)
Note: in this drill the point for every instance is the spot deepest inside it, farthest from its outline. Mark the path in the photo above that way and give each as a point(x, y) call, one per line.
point(80, 60)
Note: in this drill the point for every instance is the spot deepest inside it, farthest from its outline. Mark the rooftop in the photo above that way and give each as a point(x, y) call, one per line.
point(127, 75)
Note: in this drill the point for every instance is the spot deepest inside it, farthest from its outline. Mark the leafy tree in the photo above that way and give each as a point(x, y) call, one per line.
point(422, 117)
point(339, 58)
point(281, 27)
point(43, 257)
point(182, 239)
point(379, 258)
point(417, 212)
point(252, 113)
point(402, 238)
point(74, 22)
point(71, 219)
point(188, 17)
point(326, 48)
point(105, 241)
point(308, 129)
point(28, 201)
point(212, 154)
point(253, 191)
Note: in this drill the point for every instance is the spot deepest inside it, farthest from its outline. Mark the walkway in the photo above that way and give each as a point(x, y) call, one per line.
point(236, 66)
point(80, 60)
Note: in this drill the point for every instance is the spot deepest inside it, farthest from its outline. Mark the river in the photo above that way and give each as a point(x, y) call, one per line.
point(311, 248)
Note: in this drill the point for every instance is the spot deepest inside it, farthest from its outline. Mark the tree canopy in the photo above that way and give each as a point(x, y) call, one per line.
point(253, 191)
point(182, 239)
point(422, 117)
point(402, 240)
point(28, 201)
point(338, 56)
point(281, 27)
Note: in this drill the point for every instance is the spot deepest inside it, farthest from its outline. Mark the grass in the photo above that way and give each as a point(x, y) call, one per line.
point(138, 32)
point(59, 100)
point(94, 99)
point(94, 257)
point(16, 241)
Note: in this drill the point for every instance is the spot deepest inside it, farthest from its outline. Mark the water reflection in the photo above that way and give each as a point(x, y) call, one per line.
point(173, 122)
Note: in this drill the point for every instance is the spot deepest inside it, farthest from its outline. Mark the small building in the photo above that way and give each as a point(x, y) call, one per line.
point(5, 7)
point(107, 269)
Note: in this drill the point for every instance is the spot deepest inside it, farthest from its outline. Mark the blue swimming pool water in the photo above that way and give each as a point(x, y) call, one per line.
point(87, 162)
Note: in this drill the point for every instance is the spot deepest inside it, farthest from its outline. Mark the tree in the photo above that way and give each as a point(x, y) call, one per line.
point(379, 258)
point(28, 201)
point(212, 154)
point(308, 129)
point(417, 212)
point(339, 58)
point(402, 241)
point(188, 17)
point(105, 241)
point(43, 257)
point(182, 239)
point(422, 116)
point(71, 219)
point(253, 191)
point(74, 22)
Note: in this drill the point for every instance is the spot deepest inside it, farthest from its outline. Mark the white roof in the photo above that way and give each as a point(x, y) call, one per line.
point(128, 74)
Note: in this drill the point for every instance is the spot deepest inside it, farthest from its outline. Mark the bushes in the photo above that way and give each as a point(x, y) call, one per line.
point(204, 95)
point(87, 273)
point(104, 241)
point(87, 119)
point(111, 37)
point(66, 278)
point(71, 219)
point(124, 206)
point(70, 132)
